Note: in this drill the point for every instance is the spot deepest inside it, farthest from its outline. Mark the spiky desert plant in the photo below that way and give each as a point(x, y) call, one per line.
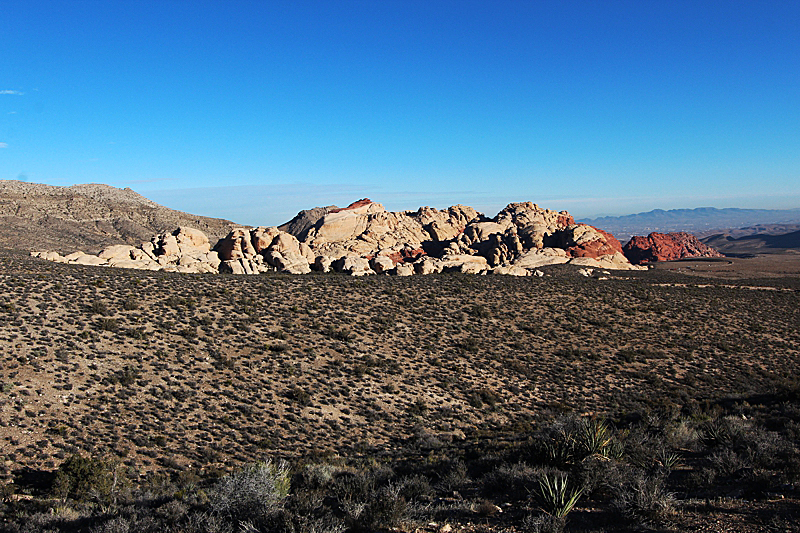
point(667, 460)
point(555, 494)
point(595, 437)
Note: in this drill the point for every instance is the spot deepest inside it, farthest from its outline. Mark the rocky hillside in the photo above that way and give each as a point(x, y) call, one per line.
point(87, 217)
point(666, 247)
point(363, 238)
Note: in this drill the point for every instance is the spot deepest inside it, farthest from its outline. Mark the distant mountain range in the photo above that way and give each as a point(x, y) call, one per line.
point(701, 221)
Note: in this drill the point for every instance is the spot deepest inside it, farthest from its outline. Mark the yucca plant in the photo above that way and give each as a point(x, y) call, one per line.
point(559, 451)
point(555, 495)
point(667, 460)
point(595, 437)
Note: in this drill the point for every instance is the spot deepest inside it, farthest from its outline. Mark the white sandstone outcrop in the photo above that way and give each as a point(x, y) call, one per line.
point(364, 238)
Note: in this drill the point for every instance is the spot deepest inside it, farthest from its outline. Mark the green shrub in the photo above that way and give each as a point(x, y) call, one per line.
point(385, 509)
point(82, 478)
point(127, 376)
point(300, 396)
point(595, 438)
point(513, 480)
point(544, 523)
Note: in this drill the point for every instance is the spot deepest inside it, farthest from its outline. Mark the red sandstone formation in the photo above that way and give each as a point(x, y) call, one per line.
point(407, 255)
point(666, 247)
point(608, 245)
point(565, 220)
point(354, 205)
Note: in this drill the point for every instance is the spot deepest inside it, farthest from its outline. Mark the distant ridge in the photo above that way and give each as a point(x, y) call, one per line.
point(701, 220)
point(87, 217)
point(759, 243)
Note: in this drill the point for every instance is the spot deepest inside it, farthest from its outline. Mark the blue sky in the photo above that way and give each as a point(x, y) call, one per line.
point(254, 110)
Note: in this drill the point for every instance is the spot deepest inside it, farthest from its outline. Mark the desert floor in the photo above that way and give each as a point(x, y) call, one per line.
point(169, 373)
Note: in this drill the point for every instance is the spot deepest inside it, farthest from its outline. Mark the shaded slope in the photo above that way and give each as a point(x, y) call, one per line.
point(759, 243)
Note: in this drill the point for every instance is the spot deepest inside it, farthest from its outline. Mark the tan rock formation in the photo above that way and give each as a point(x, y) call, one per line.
point(467, 264)
point(382, 264)
point(353, 265)
point(510, 270)
point(404, 269)
point(539, 257)
point(117, 251)
point(364, 238)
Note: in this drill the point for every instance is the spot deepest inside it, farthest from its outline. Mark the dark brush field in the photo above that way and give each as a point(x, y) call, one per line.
point(449, 378)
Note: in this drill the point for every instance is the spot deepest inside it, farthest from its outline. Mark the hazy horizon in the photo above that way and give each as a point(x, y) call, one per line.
point(247, 204)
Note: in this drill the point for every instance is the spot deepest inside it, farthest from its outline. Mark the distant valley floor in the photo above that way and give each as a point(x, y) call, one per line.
point(755, 266)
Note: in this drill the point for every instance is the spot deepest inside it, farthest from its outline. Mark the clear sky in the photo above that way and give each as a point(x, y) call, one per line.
point(254, 110)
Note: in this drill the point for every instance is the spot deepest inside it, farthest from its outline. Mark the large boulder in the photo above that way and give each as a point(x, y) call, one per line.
point(511, 270)
point(467, 264)
point(666, 247)
point(117, 251)
point(323, 263)
point(231, 266)
point(539, 257)
point(534, 223)
point(145, 264)
point(190, 239)
point(289, 263)
point(263, 237)
point(237, 245)
point(583, 240)
point(382, 264)
point(49, 256)
point(404, 269)
point(353, 265)
point(615, 261)
point(428, 265)
point(91, 260)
